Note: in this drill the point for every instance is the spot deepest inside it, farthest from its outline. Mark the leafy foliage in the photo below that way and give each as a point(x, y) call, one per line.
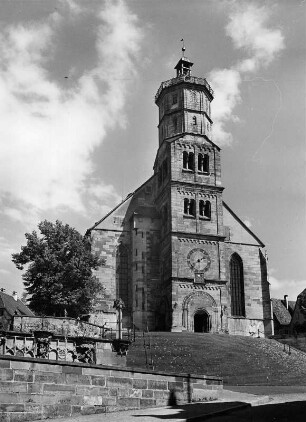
point(59, 265)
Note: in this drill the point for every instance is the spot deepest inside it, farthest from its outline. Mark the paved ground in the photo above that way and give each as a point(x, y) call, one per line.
point(237, 404)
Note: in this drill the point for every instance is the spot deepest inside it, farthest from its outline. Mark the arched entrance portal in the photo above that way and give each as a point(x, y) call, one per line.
point(201, 322)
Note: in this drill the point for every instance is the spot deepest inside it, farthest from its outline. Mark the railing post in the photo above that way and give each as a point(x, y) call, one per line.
point(118, 305)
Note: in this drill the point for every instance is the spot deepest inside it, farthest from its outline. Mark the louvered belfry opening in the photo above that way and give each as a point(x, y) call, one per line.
point(237, 286)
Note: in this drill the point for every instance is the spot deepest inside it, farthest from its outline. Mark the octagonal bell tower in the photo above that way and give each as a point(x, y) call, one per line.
point(189, 193)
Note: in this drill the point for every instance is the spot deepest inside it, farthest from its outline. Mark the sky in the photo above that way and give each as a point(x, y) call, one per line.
point(78, 123)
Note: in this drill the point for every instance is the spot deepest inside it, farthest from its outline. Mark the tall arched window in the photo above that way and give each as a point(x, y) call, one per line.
point(122, 273)
point(237, 286)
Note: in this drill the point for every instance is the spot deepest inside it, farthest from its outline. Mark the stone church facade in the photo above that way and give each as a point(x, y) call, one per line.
point(173, 251)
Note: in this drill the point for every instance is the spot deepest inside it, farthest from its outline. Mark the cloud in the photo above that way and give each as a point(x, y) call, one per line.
point(48, 132)
point(281, 287)
point(249, 30)
point(248, 223)
point(225, 83)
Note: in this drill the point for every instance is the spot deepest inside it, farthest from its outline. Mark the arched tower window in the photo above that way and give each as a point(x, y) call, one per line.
point(185, 160)
point(122, 273)
point(205, 209)
point(188, 160)
point(194, 120)
point(237, 286)
point(203, 163)
point(189, 207)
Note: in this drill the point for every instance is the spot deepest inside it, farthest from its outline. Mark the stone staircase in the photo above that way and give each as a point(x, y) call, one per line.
point(238, 360)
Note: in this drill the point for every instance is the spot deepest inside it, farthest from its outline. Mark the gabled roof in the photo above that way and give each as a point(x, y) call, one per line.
point(13, 306)
point(129, 196)
point(280, 312)
point(146, 211)
point(302, 295)
point(246, 228)
point(291, 306)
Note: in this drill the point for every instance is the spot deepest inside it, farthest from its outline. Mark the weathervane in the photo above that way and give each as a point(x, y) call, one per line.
point(183, 47)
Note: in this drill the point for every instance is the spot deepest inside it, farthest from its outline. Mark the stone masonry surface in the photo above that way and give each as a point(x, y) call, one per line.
point(32, 389)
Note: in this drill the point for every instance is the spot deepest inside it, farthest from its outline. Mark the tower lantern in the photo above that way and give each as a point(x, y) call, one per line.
point(183, 67)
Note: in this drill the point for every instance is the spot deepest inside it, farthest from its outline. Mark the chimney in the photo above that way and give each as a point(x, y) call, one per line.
point(15, 295)
point(286, 301)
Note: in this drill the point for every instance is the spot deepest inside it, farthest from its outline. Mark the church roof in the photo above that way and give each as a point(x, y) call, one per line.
point(280, 312)
point(13, 306)
point(147, 212)
point(129, 196)
point(246, 228)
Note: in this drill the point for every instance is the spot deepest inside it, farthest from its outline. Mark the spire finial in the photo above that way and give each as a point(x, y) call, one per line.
point(183, 47)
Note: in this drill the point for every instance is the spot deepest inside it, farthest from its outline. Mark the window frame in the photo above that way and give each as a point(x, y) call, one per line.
point(237, 292)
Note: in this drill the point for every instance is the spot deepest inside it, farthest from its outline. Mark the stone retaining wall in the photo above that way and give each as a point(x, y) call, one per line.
point(32, 389)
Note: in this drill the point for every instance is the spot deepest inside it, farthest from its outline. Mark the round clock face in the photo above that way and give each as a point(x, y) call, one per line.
point(198, 260)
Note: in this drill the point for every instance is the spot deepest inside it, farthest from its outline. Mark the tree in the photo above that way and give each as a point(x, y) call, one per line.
point(59, 265)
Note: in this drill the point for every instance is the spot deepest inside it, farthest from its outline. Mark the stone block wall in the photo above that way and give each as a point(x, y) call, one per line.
point(32, 389)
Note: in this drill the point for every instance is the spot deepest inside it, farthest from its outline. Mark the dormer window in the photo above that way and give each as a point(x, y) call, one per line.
point(174, 99)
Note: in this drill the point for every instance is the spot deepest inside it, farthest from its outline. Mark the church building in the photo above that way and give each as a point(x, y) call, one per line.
point(174, 252)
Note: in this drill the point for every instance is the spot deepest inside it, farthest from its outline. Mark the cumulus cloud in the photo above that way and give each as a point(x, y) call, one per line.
point(48, 133)
point(249, 30)
point(280, 287)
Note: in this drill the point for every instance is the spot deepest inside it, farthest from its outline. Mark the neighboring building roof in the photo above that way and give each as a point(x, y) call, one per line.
point(280, 312)
point(13, 306)
point(302, 295)
point(291, 306)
